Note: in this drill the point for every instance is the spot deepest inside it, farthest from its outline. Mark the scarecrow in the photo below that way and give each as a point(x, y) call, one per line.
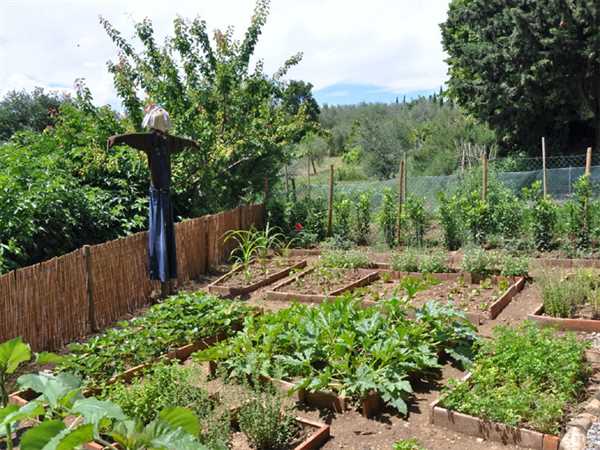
point(158, 146)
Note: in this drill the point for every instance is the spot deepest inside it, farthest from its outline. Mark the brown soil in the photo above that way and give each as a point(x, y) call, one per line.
point(322, 281)
point(465, 296)
point(258, 271)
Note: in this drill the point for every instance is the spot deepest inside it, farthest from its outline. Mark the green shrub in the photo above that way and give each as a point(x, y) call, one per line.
point(563, 294)
point(337, 242)
point(450, 221)
point(514, 266)
point(361, 225)
point(388, 217)
point(406, 261)
point(265, 424)
point(478, 261)
point(416, 218)
point(543, 217)
point(414, 260)
point(434, 262)
point(408, 444)
point(350, 259)
point(515, 382)
point(342, 211)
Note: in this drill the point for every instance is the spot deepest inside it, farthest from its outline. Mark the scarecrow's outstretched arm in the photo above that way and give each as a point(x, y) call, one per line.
point(177, 144)
point(140, 141)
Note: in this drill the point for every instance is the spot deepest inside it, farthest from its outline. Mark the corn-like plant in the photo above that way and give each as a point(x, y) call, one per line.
point(253, 244)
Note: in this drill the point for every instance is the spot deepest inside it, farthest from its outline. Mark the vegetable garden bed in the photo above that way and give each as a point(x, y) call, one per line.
point(174, 328)
point(490, 430)
point(317, 284)
point(587, 325)
point(515, 394)
point(481, 302)
point(340, 354)
point(245, 279)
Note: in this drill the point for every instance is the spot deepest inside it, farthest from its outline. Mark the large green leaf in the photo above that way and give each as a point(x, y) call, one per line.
point(38, 437)
point(13, 353)
point(54, 388)
point(181, 418)
point(54, 435)
point(15, 414)
point(94, 410)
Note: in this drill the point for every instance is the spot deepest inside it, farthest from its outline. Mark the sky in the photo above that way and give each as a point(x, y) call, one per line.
point(353, 50)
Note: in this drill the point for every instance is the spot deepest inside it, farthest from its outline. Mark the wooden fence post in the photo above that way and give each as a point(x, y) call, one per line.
point(400, 200)
point(544, 173)
point(405, 176)
point(588, 161)
point(266, 190)
point(89, 287)
point(330, 206)
point(484, 187)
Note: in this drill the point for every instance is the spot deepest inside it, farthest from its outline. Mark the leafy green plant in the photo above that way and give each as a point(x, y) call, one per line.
point(414, 260)
point(361, 224)
point(388, 217)
point(514, 382)
point(351, 259)
point(562, 294)
point(514, 266)
point(406, 261)
point(479, 261)
point(344, 347)
point(450, 221)
point(337, 242)
point(408, 444)
point(580, 212)
point(416, 218)
point(342, 213)
point(543, 216)
point(177, 321)
point(434, 262)
point(265, 423)
point(253, 244)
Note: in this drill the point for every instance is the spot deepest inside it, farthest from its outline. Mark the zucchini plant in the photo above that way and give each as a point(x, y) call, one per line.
point(343, 347)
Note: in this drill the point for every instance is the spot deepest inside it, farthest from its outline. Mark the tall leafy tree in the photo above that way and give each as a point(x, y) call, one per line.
point(243, 118)
point(527, 68)
point(21, 110)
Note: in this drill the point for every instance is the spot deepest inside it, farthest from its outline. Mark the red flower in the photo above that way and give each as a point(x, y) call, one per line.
point(299, 227)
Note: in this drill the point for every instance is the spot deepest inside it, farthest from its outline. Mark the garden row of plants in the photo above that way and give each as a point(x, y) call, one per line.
point(341, 347)
point(571, 294)
point(179, 320)
point(528, 222)
point(164, 410)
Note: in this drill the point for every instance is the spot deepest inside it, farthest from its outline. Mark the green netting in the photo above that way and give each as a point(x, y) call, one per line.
point(560, 184)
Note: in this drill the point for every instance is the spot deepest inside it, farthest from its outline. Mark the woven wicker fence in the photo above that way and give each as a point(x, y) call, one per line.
point(66, 298)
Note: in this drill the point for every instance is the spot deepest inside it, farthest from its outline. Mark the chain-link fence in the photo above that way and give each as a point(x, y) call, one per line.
point(560, 180)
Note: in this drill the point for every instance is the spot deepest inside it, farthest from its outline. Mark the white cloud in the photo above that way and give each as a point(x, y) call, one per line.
point(387, 43)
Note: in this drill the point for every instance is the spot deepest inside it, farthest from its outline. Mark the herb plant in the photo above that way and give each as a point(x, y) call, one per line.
point(343, 347)
point(388, 217)
point(515, 382)
point(177, 321)
point(350, 259)
point(361, 223)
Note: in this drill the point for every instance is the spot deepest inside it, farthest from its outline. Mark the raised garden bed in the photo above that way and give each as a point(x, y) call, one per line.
point(245, 279)
point(577, 324)
point(317, 284)
point(515, 394)
point(489, 430)
point(319, 351)
point(480, 302)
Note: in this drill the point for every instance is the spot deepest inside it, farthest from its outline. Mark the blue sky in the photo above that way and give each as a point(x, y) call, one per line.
point(353, 50)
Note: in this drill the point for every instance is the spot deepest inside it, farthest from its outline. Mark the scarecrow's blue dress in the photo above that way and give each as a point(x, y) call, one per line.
point(161, 236)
